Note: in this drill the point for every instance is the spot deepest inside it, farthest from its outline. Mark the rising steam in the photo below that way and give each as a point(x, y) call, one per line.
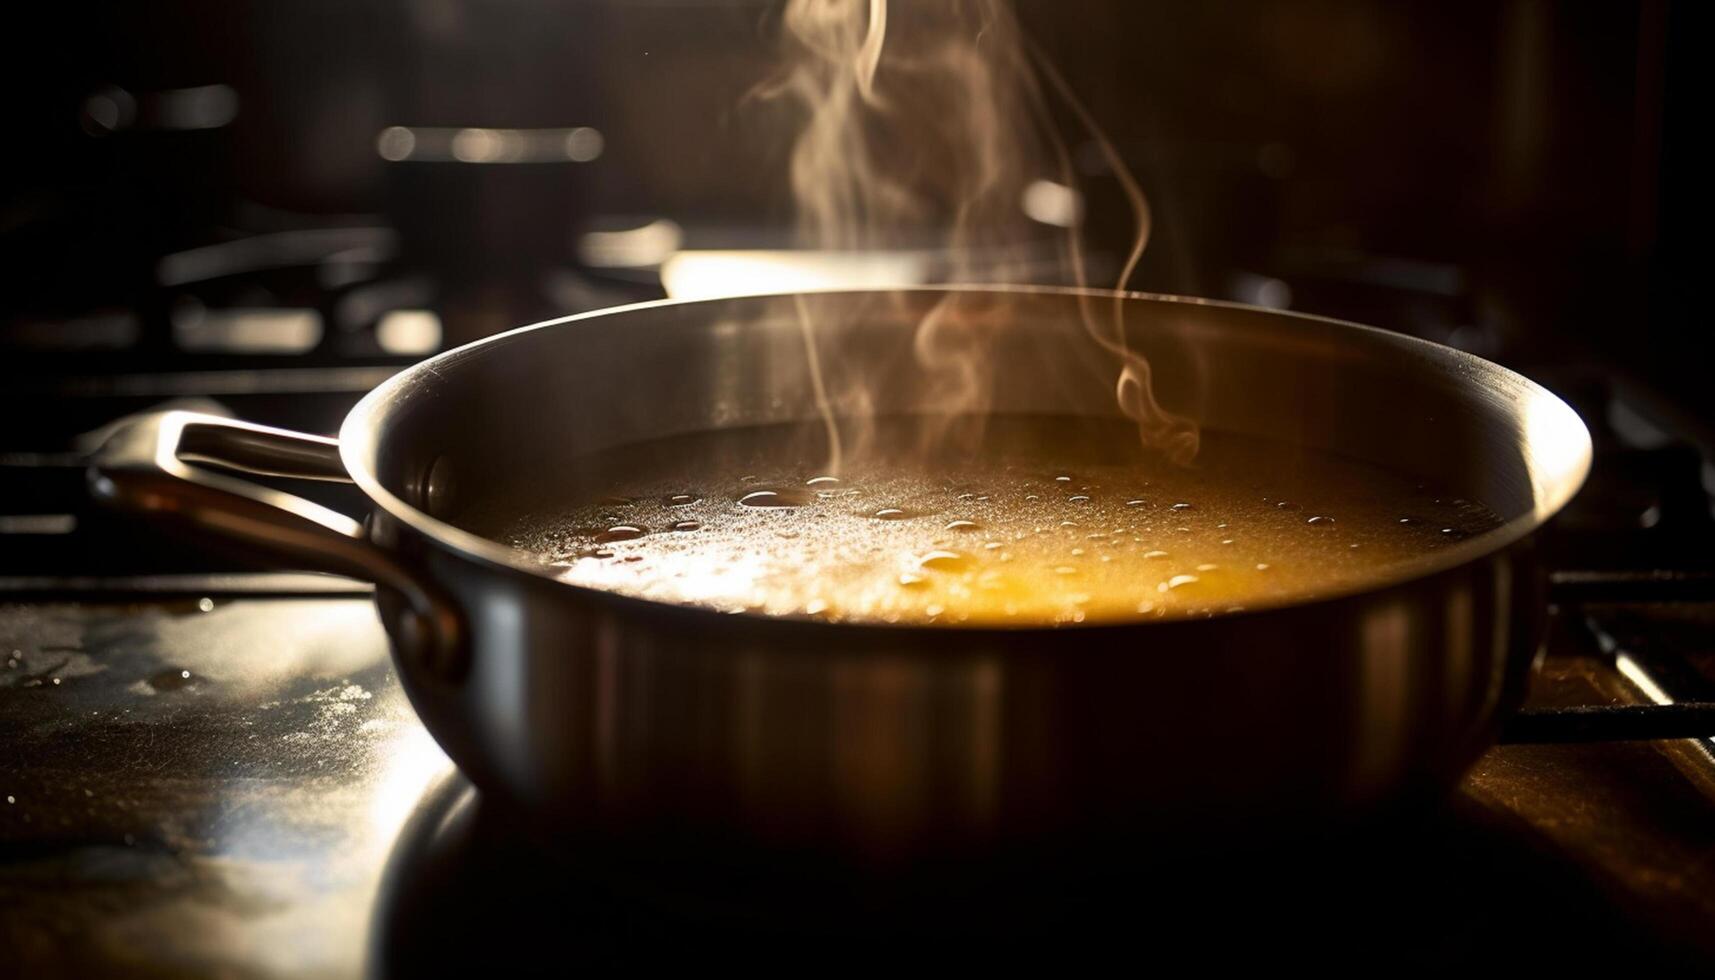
point(922, 127)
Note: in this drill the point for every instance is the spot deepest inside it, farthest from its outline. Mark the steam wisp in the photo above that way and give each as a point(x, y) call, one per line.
point(922, 127)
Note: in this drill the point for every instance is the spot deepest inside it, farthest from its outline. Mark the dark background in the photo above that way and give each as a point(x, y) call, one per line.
point(1521, 178)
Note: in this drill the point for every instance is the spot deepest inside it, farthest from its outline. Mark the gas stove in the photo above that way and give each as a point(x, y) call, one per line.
point(212, 768)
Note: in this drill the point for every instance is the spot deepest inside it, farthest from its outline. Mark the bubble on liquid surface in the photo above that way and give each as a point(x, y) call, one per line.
point(619, 532)
point(767, 499)
point(944, 561)
point(891, 514)
point(963, 526)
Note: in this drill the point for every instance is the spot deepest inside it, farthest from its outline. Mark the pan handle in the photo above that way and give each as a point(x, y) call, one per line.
point(145, 467)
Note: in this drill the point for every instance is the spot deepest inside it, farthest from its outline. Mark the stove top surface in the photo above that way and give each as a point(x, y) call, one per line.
point(234, 784)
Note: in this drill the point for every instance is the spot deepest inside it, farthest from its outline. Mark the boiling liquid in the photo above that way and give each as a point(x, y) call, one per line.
point(1046, 520)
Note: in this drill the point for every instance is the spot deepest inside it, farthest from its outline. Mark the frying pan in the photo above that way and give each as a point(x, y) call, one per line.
point(665, 729)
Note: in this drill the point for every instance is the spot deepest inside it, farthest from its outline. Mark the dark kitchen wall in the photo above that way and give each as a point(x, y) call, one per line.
point(1519, 172)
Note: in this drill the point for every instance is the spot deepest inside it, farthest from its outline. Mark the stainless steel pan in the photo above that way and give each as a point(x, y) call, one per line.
point(634, 722)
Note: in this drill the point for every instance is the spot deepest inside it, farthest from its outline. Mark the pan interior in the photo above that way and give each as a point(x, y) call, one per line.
point(497, 428)
point(1021, 519)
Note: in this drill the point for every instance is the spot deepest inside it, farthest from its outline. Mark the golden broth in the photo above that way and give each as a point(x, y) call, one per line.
point(1046, 520)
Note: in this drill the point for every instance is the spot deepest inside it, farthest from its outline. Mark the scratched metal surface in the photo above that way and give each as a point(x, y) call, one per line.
point(229, 822)
point(216, 789)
